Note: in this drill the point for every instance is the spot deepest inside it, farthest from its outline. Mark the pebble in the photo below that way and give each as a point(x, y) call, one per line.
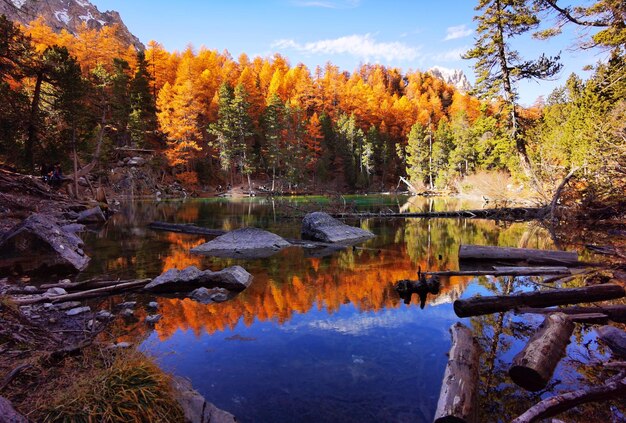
point(153, 305)
point(67, 305)
point(31, 289)
point(120, 345)
point(103, 315)
point(78, 310)
point(152, 319)
point(128, 304)
point(56, 291)
point(127, 313)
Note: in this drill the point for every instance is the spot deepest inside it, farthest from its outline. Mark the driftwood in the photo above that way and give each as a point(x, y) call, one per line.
point(91, 293)
point(477, 306)
point(505, 271)
point(616, 313)
point(85, 285)
point(614, 338)
point(528, 255)
point(459, 389)
point(422, 287)
point(613, 388)
point(533, 367)
point(505, 213)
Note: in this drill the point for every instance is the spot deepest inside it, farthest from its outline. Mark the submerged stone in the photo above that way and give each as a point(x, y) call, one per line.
point(320, 226)
point(243, 243)
point(234, 278)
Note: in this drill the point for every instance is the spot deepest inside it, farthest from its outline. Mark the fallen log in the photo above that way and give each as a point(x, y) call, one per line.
point(613, 388)
point(459, 389)
point(91, 293)
point(478, 305)
point(505, 213)
point(614, 338)
point(526, 255)
point(616, 313)
point(532, 368)
point(505, 271)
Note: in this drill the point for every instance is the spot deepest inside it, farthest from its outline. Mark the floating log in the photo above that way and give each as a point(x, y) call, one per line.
point(616, 313)
point(533, 367)
point(91, 293)
point(613, 388)
point(506, 254)
point(614, 338)
point(506, 271)
point(459, 389)
point(478, 305)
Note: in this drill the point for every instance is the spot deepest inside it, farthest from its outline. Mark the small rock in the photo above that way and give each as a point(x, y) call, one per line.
point(78, 310)
point(153, 305)
point(48, 306)
point(56, 291)
point(152, 319)
point(91, 323)
point(321, 226)
point(127, 312)
point(128, 304)
point(120, 345)
point(31, 289)
point(93, 215)
point(67, 305)
point(103, 315)
point(65, 282)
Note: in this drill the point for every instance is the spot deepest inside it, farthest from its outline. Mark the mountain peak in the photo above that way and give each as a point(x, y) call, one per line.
point(66, 14)
point(454, 77)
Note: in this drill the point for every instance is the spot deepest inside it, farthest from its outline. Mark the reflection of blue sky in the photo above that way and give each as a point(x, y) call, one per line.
point(359, 366)
point(347, 322)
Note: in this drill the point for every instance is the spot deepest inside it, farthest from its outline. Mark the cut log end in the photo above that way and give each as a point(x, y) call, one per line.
point(528, 379)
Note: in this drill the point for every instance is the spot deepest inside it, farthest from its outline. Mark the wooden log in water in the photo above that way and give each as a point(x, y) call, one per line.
point(614, 338)
point(533, 367)
point(459, 389)
point(82, 295)
point(506, 254)
point(478, 305)
point(506, 271)
point(616, 313)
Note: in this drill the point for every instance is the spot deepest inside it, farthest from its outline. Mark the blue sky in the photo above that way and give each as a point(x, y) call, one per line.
point(405, 34)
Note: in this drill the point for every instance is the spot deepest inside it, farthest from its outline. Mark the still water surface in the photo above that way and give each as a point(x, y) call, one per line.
point(322, 338)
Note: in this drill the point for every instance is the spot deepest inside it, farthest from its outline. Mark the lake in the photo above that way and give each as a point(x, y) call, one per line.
point(325, 338)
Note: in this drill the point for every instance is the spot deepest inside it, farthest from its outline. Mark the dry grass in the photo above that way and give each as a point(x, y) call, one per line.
point(120, 386)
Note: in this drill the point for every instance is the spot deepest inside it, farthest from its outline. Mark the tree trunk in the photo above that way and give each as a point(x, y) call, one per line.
point(75, 162)
point(32, 123)
point(459, 389)
point(477, 306)
point(489, 253)
point(533, 367)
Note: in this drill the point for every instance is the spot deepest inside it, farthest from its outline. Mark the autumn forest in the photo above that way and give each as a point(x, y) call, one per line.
point(219, 120)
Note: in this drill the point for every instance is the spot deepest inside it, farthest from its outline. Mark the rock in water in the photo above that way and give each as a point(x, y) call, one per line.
point(243, 243)
point(40, 244)
point(93, 215)
point(234, 278)
point(195, 407)
point(320, 226)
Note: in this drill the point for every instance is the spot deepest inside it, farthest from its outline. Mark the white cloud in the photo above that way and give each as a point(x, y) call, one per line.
point(451, 55)
point(364, 47)
point(456, 32)
point(328, 4)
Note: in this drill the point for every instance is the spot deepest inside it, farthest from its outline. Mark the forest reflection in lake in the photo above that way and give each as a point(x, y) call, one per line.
point(318, 338)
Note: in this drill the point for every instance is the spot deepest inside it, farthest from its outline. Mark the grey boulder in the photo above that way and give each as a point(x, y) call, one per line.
point(320, 226)
point(196, 408)
point(234, 278)
point(40, 244)
point(247, 243)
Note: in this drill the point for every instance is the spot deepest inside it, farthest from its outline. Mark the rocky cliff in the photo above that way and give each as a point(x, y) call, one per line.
point(66, 14)
point(454, 77)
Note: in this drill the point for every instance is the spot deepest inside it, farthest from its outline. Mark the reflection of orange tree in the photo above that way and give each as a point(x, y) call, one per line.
point(368, 285)
point(178, 256)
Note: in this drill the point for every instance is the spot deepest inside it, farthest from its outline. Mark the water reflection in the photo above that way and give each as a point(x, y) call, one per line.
point(313, 338)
